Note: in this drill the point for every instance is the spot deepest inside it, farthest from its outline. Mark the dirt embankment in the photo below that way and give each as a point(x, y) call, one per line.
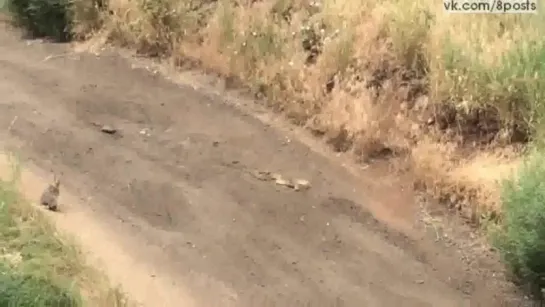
point(172, 207)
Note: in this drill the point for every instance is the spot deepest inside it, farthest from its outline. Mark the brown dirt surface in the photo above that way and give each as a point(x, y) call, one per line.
point(168, 204)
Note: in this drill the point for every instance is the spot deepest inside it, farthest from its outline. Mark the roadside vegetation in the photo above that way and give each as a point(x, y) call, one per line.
point(458, 98)
point(38, 266)
point(520, 238)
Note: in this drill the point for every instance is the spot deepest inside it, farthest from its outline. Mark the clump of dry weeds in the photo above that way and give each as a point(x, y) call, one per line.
point(452, 93)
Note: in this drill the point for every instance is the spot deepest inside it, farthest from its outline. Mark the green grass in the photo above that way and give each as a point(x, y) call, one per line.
point(521, 237)
point(20, 289)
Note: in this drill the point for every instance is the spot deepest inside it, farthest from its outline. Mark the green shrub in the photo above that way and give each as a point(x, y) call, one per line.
point(43, 18)
point(521, 238)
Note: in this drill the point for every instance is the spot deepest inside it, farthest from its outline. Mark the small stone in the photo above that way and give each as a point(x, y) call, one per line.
point(145, 132)
point(108, 129)
point(276, 176)
point(421, 103)
point(283, 182)
point(262, 175)
point(430, 121)
point(302, 184)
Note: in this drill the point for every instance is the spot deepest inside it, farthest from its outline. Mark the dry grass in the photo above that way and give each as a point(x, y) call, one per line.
point(471, 184)
point(368, 75)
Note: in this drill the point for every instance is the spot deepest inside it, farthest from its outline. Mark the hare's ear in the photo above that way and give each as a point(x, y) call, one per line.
point(56, 180)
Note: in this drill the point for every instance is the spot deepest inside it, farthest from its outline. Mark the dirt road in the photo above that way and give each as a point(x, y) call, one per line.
point(170, 207)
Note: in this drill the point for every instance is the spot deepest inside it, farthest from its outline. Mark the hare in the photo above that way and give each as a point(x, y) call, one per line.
point(50, 195)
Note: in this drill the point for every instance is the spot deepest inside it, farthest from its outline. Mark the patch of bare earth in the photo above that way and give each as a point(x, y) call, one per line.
point(171, 205)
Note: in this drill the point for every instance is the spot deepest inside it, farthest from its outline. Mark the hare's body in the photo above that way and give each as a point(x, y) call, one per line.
point(50, 195)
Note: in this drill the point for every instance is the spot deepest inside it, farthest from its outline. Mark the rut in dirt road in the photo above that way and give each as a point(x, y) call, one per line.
point(173, 189)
